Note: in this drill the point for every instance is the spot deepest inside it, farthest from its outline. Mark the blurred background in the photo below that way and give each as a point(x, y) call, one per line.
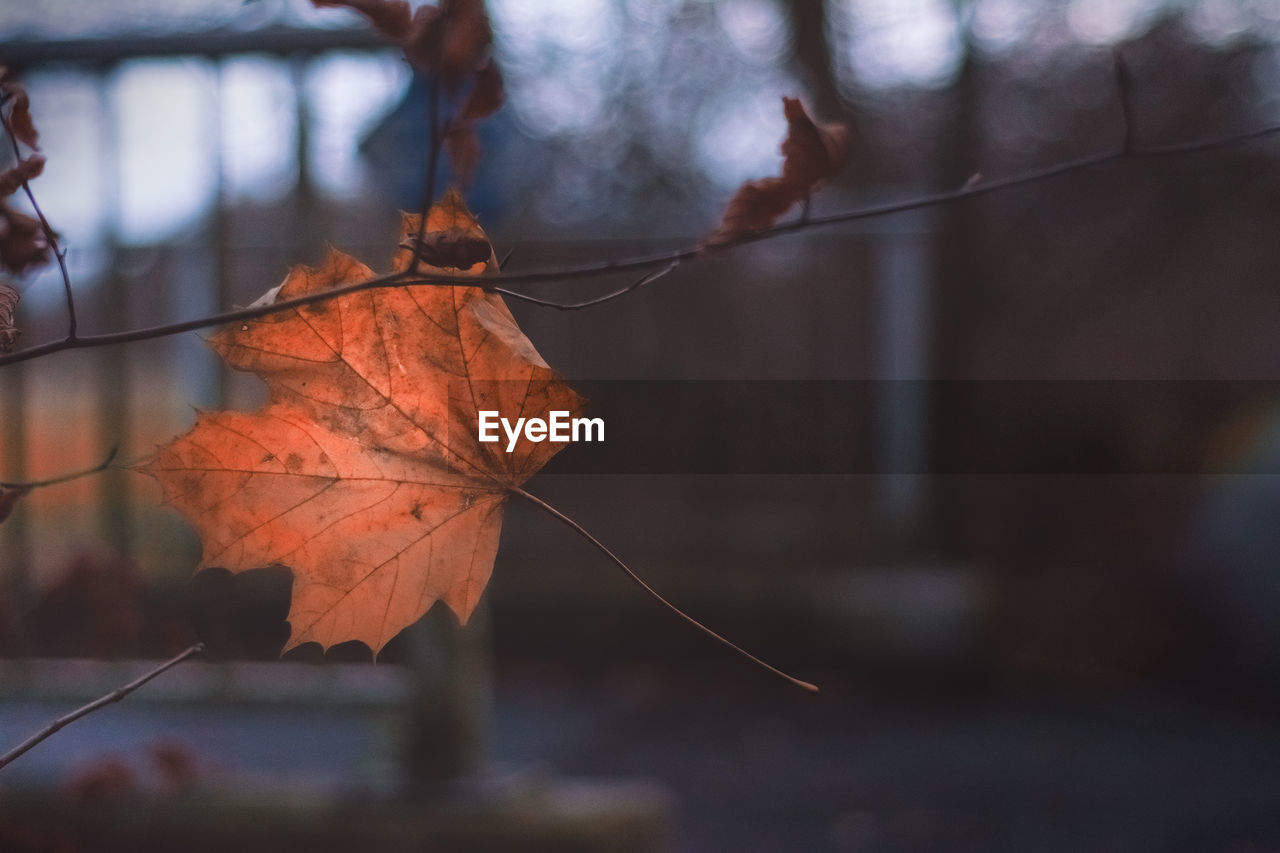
point(999, 475)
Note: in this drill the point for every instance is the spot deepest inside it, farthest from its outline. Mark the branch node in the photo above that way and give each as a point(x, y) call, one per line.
point(636, 579)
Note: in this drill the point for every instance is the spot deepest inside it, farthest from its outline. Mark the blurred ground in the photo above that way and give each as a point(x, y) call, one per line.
point(753, 766)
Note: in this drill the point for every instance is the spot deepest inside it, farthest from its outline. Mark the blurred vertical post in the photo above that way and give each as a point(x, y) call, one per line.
point(223, 273)
point(902, 366)
point(112, 363)
point(15, 579)
point(957, 263)
point(449, 706)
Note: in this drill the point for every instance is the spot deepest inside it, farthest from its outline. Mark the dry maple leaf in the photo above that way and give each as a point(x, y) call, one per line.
point(364, 474)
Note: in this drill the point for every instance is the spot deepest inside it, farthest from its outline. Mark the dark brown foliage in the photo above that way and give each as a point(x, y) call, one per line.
point(451, 39)
point(19, 122)
point(811, 153)
point(461, 142)
point(23, 243)
point(12, 178)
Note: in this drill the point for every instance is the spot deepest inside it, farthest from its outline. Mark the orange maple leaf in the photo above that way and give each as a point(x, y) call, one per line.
point(364, 474)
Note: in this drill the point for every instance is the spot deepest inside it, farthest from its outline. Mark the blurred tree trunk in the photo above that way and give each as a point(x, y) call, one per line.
point(957, 278)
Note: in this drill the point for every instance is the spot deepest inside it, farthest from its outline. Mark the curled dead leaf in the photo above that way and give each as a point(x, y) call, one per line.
point(12, 178)
point(19, 121)
point(461, 141)
point(389, 17)
point(485, 96)
point(467, 37)
point(23, 243)
point(811, 153)
point(451, 39)
point(9, 299)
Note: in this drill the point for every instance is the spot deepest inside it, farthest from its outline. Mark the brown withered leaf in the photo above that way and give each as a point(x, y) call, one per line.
point(389, 17)
point(755, 206)
point(811, 153)
point(421, 44)
point(9, 498)
point(12, 178)
point(20, 123)
point(22, 241)
point(467, 37)
point(482, 101)
point(9, 299)
point(485, 96)
point(451, 39)
point(364, 475)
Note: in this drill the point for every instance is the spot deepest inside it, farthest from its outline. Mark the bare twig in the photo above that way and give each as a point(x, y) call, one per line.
point(588, 303)
point(647, 262)
point(97, 704)
point(63, 478)
point(604, 549)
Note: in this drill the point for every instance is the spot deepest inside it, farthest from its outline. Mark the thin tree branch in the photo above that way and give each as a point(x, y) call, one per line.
point(582, 531)
point(588, 303)
point(605, 268)
point(63, 478)
point(101, 702)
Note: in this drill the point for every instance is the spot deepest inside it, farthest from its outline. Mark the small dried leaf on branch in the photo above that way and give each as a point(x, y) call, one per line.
point(485, 96)
point(9, 498)
point(811, 154)
point(19, 123)
point(421, 44)
point(23, 243)
point(389, 17)
point(463, 147)
point(12, 178)
point(467, 37)
point(482, 101)
point(451, 39)
point(9, 299)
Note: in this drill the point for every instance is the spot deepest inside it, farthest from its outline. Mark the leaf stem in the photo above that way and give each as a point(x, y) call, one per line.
point(101, 702)
point(582, 531)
